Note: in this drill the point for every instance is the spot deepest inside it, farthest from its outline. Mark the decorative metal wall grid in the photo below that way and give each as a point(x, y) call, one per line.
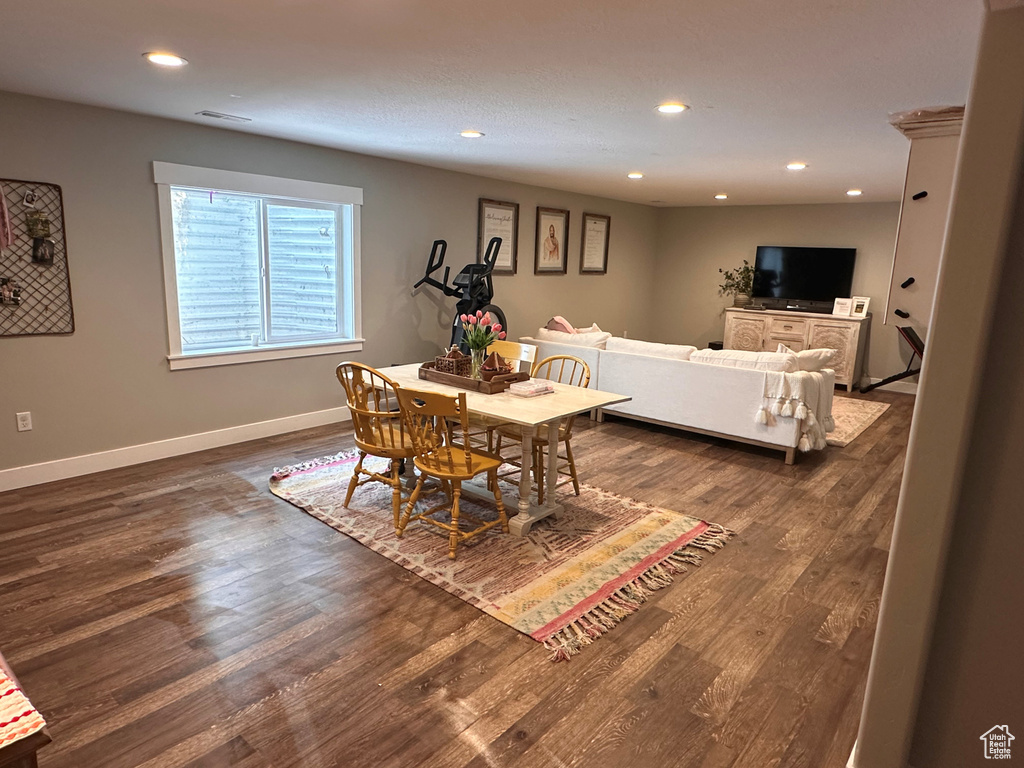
point(35, 285)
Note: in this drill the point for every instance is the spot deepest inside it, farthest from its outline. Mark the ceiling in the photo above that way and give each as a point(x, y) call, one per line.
point(564, 91)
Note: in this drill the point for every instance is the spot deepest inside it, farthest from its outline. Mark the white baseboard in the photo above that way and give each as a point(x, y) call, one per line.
point(906, 387)
point(75, 466)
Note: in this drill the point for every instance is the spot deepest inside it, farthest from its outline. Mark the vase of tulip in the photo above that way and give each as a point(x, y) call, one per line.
point(479, 333)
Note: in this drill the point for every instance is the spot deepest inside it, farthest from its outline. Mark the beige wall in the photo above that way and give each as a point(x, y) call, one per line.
point(694, 242)
point(108, 385)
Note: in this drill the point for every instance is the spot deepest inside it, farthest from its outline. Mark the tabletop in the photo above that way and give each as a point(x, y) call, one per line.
point(527, 411)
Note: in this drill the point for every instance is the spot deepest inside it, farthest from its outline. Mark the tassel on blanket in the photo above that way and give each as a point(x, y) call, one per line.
point(805, 443)
point(801, 410)
point(762, 416)
point(830, 424)
point(777, 406)
point(787, 409)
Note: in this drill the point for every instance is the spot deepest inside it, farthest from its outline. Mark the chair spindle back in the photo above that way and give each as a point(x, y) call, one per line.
point(565, 369)
point(373, 400)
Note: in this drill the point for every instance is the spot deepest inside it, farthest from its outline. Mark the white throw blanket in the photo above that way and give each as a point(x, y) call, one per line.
point(803, 395)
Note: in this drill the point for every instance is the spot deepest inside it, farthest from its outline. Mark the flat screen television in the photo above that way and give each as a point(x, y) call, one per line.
point(790, 277)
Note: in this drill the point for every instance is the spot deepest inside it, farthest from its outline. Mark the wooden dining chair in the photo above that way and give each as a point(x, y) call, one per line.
point(513, 351)
point(438, 425)
point(565, 369)
point(378, 427)
point(481, 432)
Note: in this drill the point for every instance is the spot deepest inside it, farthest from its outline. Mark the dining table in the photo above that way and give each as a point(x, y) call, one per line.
point(540, 415)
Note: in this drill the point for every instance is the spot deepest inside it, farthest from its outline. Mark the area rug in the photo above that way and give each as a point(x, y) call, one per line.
point(852, 417)
point(18, 718)
point(568, 582)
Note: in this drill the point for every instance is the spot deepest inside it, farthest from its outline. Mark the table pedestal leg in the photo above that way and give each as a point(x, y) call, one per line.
point(530, 513)
point(551, 481)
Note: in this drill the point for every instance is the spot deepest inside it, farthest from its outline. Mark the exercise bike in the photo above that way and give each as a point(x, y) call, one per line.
point(473, 286)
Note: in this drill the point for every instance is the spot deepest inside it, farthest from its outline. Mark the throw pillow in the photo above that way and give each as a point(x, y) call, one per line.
point(810, 359)
point(738, 358)
point(559, 323)
point(597, 340)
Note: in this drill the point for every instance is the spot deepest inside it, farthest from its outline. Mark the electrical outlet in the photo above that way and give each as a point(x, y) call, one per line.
point(24, 421)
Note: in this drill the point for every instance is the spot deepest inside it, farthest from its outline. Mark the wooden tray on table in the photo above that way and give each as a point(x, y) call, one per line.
point(497, 384)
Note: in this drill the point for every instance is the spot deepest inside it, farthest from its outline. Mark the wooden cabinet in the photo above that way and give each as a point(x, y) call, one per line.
point(763, 331)
point(742, 332)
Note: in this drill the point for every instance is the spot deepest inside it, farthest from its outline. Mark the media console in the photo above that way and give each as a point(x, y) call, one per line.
point(762, 330)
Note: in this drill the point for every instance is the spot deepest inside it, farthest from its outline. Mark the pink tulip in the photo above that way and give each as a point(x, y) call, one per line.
point(501, 335)
point(479, 313)
point(496, 327)
point(463, 317)
point(472, 320)
point(486, 320)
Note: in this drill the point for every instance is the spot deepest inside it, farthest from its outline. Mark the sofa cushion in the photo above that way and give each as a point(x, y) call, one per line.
point(650, 348)
point(810, 359)
point(597, 340)
point(738, 358)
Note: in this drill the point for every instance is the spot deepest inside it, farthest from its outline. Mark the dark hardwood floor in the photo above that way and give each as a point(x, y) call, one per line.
point(177, 614)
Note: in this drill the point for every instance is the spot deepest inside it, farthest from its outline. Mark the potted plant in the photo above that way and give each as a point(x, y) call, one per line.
point(738, 283)
point(479, 333)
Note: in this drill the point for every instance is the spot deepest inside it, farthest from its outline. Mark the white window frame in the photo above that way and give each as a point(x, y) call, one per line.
point(273, 190)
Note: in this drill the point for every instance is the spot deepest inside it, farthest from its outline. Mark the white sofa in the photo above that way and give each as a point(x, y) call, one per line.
point(710, 399)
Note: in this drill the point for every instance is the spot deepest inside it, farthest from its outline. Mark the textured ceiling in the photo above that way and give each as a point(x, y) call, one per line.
point(564, 91)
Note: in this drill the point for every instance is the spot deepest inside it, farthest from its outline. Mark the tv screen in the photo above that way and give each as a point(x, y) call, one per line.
point(803, 274)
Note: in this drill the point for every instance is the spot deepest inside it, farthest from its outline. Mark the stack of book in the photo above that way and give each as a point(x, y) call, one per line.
point(531, 388)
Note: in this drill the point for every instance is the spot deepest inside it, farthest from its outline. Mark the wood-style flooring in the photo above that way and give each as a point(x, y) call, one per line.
point(177, 614)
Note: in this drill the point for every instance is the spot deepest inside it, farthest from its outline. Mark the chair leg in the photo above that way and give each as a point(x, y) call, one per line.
point(396, 491)
point(502, 517)
point(572, 467)
point(355, 479)
point(453, 537)
point(400, 528)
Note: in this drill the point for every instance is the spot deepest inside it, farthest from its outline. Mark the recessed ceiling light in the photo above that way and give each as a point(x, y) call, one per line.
point(797, 166)
point(634, 175)
point(471, 134)
point(721, 196)
point(672, 108)
point(855, 192)
point(165, 59)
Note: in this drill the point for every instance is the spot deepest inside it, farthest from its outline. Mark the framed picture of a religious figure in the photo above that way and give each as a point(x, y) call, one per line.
point(594, 244)
point(552, 239)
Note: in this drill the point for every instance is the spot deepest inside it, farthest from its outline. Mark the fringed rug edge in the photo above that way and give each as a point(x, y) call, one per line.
point(627, 599)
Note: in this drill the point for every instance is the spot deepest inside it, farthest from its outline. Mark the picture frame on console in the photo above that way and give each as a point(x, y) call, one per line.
point(552, 237)
point(594, 244)
point(842, 307)
point(498, 218)
point(860, 306)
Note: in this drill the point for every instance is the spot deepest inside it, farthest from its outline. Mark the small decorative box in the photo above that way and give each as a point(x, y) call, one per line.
point(454, 363)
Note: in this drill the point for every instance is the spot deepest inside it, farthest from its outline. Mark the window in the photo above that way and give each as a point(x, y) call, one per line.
point(257, 267)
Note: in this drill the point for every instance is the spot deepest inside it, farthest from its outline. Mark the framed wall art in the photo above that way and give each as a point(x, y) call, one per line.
point(552, 238)
point(35, 285)
point(594, 244)
point(499, 219)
